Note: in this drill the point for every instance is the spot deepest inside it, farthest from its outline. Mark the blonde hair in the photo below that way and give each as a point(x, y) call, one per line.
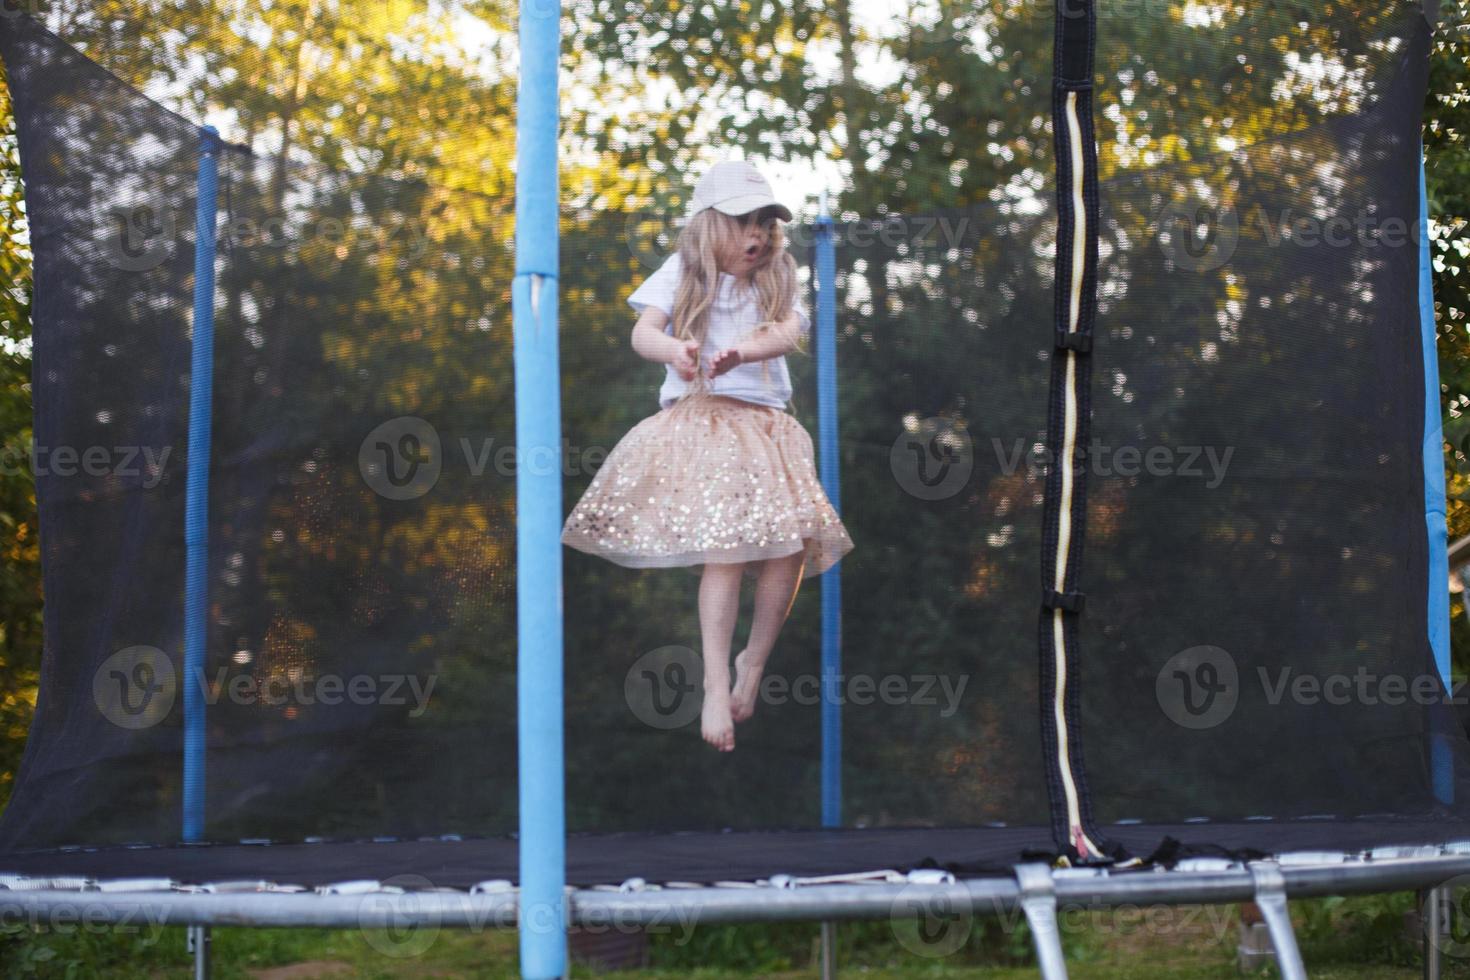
point(707, 236)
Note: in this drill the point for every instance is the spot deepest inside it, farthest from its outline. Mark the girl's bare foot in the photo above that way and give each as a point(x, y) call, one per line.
point(747, 688)
point(715, 723)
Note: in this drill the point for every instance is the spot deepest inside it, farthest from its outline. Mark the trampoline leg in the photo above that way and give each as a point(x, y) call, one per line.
point(829, 951)
point(1271, 900)
point(1039, 902)
point(199, 940)
point(1431, 912)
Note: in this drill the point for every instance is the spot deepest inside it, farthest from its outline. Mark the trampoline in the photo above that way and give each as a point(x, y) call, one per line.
point(1137, 437)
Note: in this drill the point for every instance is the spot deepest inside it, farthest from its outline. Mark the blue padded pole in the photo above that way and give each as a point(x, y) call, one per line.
point(538, 501)
point(1434, 493)
point(196, 500)
point(832, 580)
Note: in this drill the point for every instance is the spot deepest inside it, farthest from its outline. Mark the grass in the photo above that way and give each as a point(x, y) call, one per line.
point(1358, 939)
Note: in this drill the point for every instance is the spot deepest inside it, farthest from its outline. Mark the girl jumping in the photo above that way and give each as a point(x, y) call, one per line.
point(723, 475)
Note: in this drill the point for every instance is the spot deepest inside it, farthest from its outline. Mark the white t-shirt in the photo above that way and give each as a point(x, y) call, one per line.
point(732, 316)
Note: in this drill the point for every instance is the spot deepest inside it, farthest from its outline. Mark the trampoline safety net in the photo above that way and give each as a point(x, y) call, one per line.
point(1237, 659)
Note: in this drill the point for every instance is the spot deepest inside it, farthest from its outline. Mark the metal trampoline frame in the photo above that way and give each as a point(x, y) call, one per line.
point(1035, 890)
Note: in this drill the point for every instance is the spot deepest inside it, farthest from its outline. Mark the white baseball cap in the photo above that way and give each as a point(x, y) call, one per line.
point(735, 187)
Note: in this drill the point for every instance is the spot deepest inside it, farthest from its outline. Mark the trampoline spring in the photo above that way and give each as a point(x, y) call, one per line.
point(1293, 858)
point(492, 885)
point(363, 887)
point(24, 883)
point(138, 885)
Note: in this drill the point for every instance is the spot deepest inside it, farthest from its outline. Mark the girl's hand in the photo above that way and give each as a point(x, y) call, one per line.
point(724, 361)
point(686, 361)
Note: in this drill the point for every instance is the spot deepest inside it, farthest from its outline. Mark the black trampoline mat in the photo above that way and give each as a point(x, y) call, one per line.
point(707, 857)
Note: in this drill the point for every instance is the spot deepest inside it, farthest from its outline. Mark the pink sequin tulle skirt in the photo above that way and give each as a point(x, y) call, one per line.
point(709, 479)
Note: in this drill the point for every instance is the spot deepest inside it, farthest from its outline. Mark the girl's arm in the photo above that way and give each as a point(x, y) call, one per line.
point(775, 340)
point(772, 340)
point(649, 339)
point(652, 344)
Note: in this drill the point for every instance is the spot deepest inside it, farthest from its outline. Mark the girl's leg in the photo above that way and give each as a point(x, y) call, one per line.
point(719, 604)
point(775, 592)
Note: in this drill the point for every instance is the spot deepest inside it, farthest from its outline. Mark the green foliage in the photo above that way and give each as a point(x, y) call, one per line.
point(1447, 185)
point(20, 558)
point(1447, 165)
point(70, 952)
point(1342, 939)
point(1367, 929)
